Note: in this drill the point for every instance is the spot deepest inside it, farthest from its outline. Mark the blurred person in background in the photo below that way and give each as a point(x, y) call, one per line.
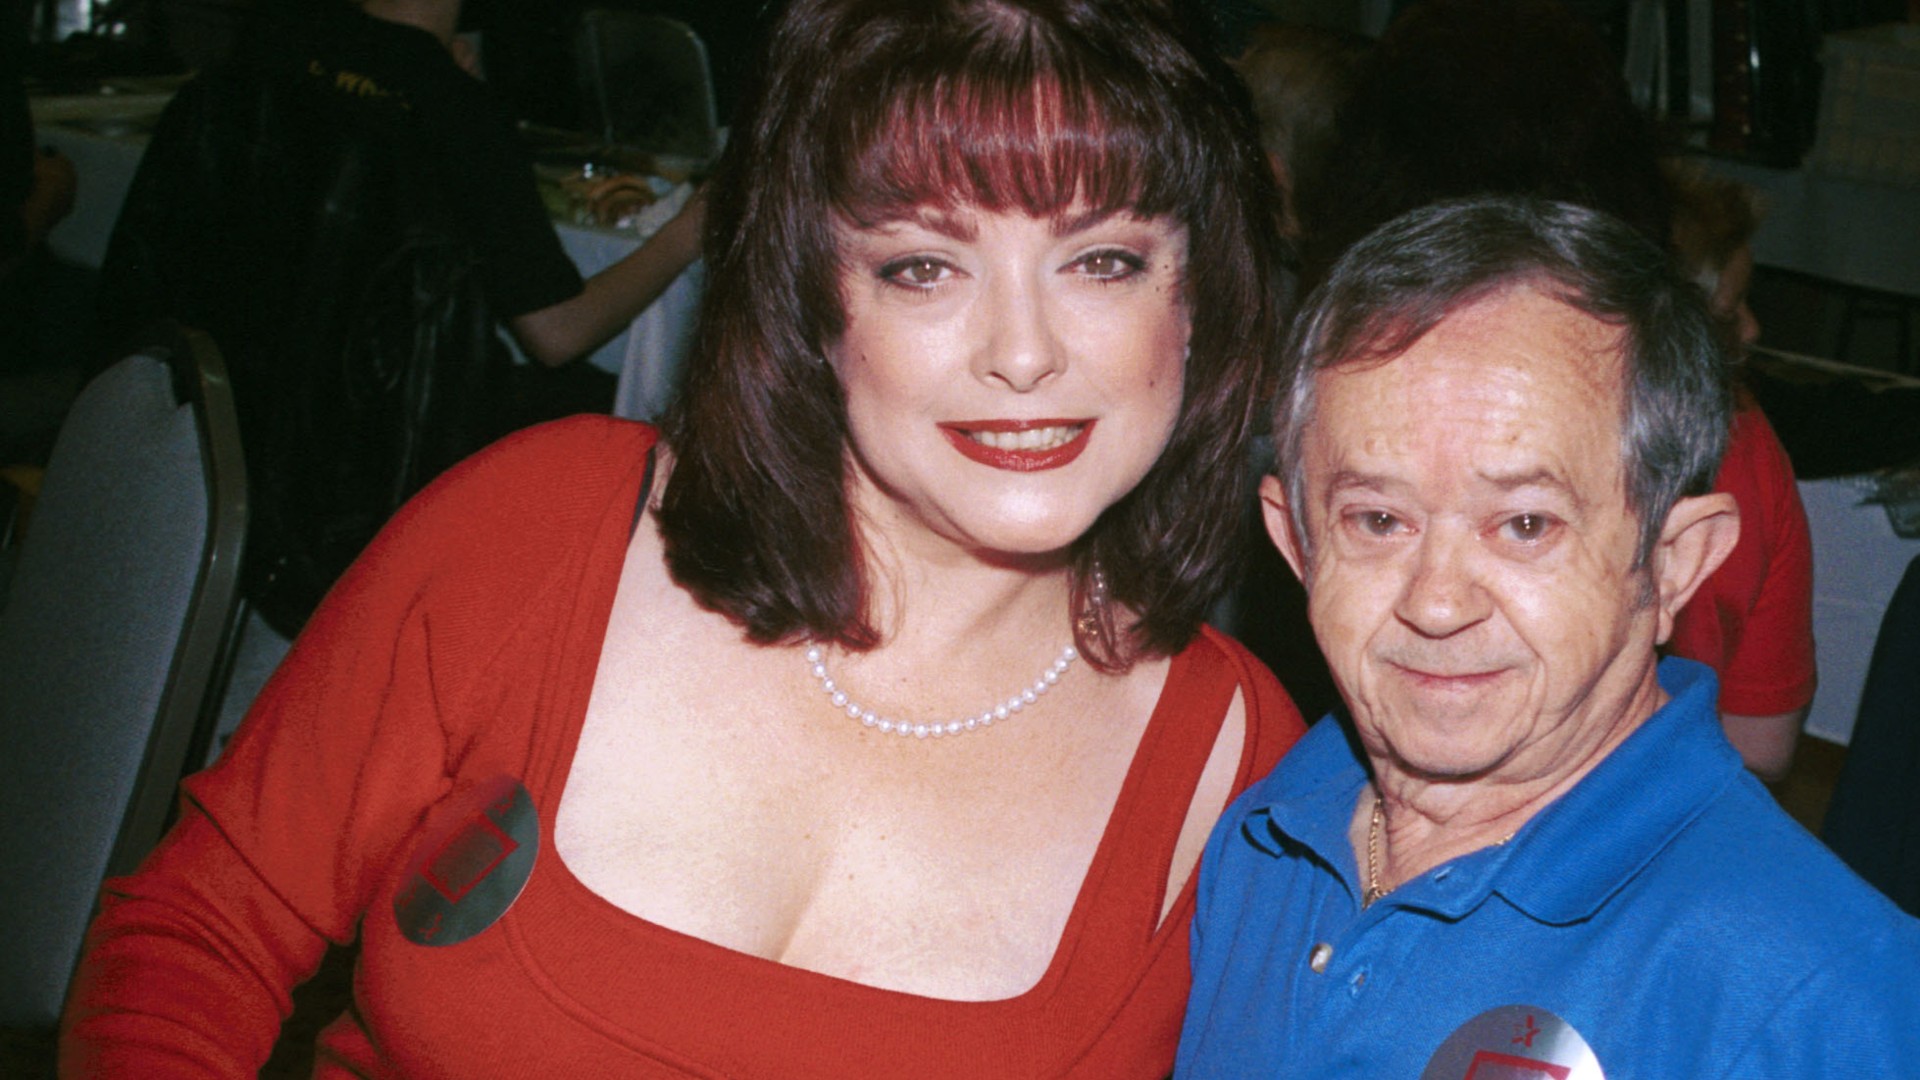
point(347, 210)
point(1753, 621)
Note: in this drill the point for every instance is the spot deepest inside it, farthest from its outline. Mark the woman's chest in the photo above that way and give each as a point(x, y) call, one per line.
point(945, 878)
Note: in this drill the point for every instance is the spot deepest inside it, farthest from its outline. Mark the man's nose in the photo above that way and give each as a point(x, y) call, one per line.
point(1443, 594)
point(1020, 345)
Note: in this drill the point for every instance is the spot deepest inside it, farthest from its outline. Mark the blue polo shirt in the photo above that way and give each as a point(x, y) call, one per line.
point(1665, 908)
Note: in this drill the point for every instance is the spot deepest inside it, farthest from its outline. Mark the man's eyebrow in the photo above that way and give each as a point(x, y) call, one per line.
point(1540, 477)
point(1348, 479)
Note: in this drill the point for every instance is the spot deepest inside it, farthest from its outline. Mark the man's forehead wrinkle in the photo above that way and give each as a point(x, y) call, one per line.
point(1350, 479)
point(1541, 477)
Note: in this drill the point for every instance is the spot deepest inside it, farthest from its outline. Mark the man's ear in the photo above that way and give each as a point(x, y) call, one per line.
point(1700, 533)
point(1273, 509)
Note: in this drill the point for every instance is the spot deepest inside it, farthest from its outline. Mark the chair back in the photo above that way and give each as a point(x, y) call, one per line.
point(112, 645)
point(647, 83)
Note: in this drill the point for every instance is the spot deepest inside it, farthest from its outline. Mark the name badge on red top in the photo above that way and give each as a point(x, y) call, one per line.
point(472, 865)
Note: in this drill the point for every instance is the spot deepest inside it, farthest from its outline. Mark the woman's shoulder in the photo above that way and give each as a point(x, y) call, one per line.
point(553, 470)
point(512, 516)
point(1273, 723)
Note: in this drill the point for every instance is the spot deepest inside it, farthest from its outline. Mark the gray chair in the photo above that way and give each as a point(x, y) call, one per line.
point(647, 83)
point(112, 644)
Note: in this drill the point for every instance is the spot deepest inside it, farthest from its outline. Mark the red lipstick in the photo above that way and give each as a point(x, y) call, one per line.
point(959, 434)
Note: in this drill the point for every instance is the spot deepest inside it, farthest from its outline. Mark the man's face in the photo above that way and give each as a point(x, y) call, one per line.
point(1471, 577)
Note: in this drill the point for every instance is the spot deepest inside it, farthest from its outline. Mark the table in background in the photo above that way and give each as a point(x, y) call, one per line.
point(1859, 233)
point(650, 355)
point(106, 134)
point(1857, 561)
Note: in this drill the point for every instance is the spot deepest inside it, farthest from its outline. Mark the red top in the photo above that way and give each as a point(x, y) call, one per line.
point(1752, 622)
point(442, 661)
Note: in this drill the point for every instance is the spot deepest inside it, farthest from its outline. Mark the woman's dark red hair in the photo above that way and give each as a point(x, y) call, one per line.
point(864, 109)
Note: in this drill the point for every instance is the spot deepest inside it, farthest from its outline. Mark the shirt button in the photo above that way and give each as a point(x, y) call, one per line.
point(1317, 959)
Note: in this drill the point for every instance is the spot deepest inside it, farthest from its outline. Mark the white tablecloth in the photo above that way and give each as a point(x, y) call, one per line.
point(1857, 561)
point(105, 136)
point(651, 354)
point(1854, 232)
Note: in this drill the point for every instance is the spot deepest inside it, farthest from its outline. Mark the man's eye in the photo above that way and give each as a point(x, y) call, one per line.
point(1375, 522)
point(916, 272)
point(1528, 528)
point(1110, 264)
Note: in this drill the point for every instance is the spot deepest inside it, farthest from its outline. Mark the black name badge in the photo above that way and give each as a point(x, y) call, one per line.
point(1514, 1042)
point(471, 866)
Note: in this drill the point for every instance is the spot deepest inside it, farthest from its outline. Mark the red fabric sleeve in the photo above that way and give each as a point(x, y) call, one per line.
point(189, 966)
point(1752, 622)
point(1772, 668)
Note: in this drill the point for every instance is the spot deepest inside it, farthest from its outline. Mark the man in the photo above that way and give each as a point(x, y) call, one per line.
point(1533, 852)
point(1524, 97)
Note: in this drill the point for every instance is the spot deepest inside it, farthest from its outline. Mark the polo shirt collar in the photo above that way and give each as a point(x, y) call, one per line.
point(1308, 800)
point(1586, 845)
point(1562, 865)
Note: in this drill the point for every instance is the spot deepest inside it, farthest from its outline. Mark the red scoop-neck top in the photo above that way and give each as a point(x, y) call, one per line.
point(441, 663)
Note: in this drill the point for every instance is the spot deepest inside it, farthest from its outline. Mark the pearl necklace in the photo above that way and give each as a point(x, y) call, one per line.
point(817, 663)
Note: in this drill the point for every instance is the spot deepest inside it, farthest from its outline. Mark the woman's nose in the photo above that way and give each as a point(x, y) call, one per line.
point(1021, 346)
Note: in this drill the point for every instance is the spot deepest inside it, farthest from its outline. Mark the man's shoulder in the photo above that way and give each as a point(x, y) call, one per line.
point(1303, 801)
point(1758, 884)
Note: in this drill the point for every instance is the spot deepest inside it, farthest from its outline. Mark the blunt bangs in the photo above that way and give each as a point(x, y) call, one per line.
point(1006, 117)
point(866, 112)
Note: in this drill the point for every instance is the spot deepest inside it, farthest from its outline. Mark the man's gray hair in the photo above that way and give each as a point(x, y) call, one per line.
point(1391, 288)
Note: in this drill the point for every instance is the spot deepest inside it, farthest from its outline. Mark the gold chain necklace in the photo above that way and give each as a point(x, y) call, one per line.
point(1374, 889)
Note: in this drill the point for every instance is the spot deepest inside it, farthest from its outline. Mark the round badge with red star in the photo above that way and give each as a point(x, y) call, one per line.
point(1514, 1042)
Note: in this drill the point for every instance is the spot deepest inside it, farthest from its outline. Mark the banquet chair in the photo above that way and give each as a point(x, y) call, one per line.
point(1873, 822)
point(112, 645)
point(647, 83)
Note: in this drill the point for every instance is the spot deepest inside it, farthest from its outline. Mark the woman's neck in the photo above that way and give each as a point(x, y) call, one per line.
point(956, 632)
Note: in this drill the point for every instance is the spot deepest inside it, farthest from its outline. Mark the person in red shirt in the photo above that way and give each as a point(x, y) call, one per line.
point(1753, 620)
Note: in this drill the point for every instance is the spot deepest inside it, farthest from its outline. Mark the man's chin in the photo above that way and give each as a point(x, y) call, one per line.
point(1441, 741)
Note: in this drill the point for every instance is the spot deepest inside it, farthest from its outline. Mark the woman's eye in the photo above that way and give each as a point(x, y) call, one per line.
point(916, 272)
point(1528, 528)
point(1111, 264)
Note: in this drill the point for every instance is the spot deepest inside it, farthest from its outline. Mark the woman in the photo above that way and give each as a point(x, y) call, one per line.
point(862, 727)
